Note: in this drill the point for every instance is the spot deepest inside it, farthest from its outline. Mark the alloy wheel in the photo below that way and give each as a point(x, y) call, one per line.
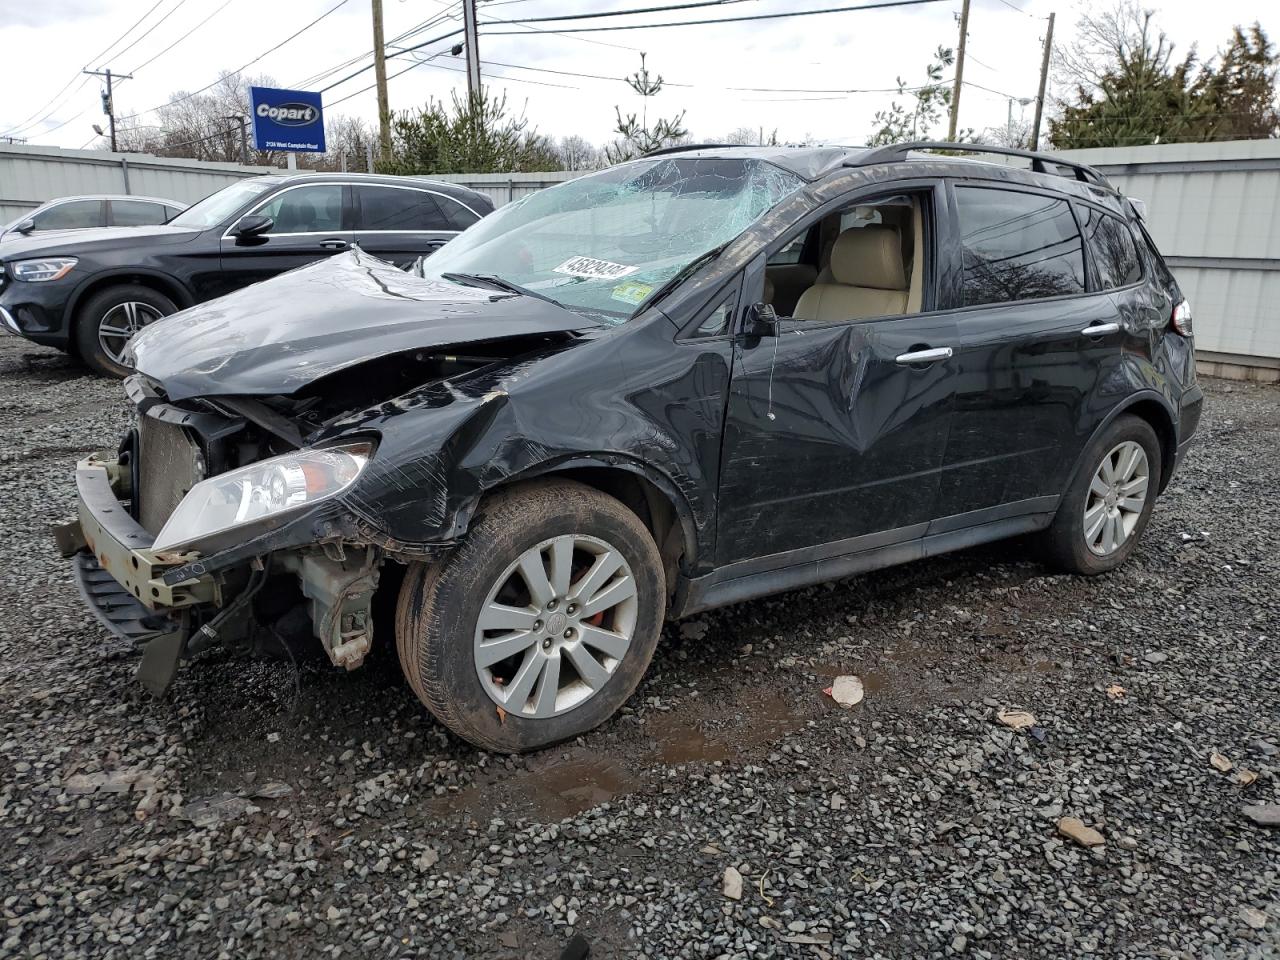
point(555, 626)
point(119, 324)
point(1117, 494)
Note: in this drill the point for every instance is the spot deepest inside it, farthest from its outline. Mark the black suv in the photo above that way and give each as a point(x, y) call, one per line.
point(89, 294)
point(684, 381)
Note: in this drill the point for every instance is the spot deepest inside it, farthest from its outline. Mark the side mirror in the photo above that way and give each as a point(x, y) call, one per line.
point(761, 321)
point(26, 226)
point(254, 225)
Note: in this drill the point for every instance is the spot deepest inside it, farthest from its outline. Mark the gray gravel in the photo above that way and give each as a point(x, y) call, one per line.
point(263, 810)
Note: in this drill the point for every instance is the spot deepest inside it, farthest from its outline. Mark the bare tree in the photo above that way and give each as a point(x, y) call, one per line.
point(577, 153)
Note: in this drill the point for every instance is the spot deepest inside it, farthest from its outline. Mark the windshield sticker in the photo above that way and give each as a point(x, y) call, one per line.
point(632, 292)
point(593, 269)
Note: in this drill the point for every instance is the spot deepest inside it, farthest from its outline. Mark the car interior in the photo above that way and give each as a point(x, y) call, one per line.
point(855, 264)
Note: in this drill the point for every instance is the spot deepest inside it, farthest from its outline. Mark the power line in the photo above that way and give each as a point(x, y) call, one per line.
point(241, 69)
point(26, 124)
point(696, 23)
point(147, 63)
point(622, 13)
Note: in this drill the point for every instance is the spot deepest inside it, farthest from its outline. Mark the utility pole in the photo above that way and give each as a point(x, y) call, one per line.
point(473, 50)
point(1044, 79)
point(108, 104)
point(380, 72)
point(243, 122)
point(955, 92)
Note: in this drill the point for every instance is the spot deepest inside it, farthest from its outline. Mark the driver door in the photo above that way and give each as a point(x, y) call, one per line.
point(834, 440)
point(312, 221)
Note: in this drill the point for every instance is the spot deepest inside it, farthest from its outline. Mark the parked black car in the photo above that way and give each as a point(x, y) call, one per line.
point(677, 383)
point(89, 294)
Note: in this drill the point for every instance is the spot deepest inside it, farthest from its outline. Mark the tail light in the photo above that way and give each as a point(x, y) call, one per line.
point(1181, 319)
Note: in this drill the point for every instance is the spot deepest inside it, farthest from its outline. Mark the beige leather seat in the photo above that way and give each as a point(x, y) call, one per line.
point(869, 277)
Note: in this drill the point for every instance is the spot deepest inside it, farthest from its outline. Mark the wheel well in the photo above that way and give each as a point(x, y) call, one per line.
point(647, 501)
point(1159, 420)
point(166, 287)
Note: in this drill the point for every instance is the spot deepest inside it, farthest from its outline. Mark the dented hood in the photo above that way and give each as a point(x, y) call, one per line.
point(280, 335)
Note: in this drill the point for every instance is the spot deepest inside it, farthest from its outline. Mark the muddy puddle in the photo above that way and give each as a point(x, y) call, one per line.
point(714, 733)
point(549, 790)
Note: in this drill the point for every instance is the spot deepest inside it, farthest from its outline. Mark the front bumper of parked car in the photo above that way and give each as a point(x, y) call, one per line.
point(35, 311)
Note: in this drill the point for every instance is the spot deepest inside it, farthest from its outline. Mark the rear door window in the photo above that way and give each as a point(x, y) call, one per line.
point(1017, 246)
point(1115, 256)
point(137, 213)
point(460, 217)
point(391, 208)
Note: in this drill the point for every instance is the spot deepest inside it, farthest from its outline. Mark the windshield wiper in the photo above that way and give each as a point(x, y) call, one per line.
point(489, 280)
point(684, 272)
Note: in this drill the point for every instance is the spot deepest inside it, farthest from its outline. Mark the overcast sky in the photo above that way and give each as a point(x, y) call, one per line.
point(46, 44)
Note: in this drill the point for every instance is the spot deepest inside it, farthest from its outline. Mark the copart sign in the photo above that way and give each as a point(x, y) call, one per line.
point(287, 120)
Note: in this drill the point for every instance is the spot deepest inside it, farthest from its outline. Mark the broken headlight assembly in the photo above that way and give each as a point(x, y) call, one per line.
point(270, 488)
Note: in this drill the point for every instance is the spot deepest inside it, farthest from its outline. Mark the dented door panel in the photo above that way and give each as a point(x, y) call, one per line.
point(828, 437)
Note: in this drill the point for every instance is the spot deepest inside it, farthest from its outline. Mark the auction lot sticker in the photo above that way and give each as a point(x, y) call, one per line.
point(592, 269)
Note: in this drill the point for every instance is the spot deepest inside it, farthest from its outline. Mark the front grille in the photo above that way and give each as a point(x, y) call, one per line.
point(169, 465)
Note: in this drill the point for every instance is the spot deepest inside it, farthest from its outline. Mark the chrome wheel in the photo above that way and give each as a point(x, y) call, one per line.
point(555, 626)
point(120, 323)
point(1117, 494)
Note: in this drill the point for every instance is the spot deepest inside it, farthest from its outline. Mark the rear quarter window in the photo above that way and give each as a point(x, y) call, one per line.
point(1115, 255)
point(1017, 246)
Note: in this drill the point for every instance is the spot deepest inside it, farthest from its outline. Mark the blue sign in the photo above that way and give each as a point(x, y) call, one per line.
point(287, 120)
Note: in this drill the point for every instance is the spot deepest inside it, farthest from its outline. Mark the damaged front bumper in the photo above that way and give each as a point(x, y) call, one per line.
point(123, 580)
point(172, 604)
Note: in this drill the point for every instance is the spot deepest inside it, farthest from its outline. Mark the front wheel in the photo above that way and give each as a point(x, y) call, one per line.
point(1107, 506)
point(109, 320)
point(542, 622)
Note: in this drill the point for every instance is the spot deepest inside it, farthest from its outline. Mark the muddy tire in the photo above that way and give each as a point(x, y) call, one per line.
point(107, 321)
point(1109, 502)
point(540, 625)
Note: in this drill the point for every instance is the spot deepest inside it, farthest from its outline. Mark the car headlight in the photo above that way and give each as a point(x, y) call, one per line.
point(46, 268)
point(270, 488)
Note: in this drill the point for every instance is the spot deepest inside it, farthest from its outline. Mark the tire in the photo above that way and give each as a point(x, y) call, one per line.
point(438, 626)
point(1067, 541)
point(126, 301)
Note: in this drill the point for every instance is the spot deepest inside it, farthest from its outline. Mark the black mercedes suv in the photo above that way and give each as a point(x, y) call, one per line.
point(684, 381)
point(89, 294)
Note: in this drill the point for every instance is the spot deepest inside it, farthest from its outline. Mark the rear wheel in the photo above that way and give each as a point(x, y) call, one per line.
point(109, 320)
point(541, 624)
point(1106, 509)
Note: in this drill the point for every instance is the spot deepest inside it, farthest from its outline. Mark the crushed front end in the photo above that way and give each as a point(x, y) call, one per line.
point(199, 530)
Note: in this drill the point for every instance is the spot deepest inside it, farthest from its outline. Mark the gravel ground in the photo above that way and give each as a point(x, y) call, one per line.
point(267, 810)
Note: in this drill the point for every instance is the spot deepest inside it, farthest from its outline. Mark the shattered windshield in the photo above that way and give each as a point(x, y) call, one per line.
point(605, 243)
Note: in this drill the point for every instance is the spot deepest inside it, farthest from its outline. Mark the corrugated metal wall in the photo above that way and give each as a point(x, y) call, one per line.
point(30, 175)
point(1214, 211)
point(504, 187)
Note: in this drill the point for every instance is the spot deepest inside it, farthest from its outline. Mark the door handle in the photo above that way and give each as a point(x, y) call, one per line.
point(334, 244)
point(1100, 330)
point(932, 355)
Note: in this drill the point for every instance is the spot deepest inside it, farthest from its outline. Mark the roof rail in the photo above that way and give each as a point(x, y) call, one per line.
point(681, 147)
point(899, 151)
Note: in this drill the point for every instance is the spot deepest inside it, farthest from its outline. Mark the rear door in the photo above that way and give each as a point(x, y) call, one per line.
point(400, 223)
point(310, 223)
point(1036, 344)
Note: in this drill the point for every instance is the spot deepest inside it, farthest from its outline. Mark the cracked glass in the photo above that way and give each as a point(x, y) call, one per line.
point(606, 243)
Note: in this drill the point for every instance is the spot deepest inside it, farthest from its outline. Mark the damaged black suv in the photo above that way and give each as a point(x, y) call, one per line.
point(687, 380)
